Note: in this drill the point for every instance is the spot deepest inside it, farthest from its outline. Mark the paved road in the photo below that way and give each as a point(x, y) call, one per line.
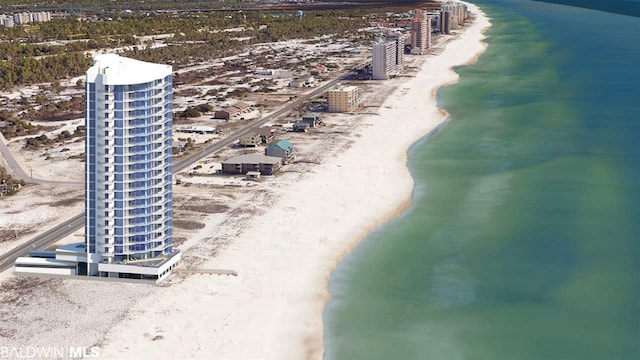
point(77, 222)
point(14, 168)
point(12, 165)
point(42, 241)
point(186, 162)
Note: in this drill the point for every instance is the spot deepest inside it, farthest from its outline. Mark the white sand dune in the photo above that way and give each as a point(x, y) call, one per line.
point(273, 309)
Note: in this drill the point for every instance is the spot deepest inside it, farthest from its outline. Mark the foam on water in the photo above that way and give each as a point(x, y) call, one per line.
point(522, 239)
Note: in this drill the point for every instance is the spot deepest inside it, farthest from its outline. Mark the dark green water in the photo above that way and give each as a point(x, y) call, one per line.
point(523, 240)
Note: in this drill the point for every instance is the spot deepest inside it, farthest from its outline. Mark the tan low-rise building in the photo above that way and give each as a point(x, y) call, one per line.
point(231, 111)
point(266, 134)
point(343, 99)
point(250, 139)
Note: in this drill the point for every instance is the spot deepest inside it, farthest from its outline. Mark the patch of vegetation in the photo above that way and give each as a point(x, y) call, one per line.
point(196, 36)
point(195, 111)
point(178, 240)
point(188, 224)
point(15, 291)
point(8, 184)
point(12, 127)
point(57, 111)
point(62, 137)
point(206, 208)
point(67, 202)
point(239, 92)
point(30, 70)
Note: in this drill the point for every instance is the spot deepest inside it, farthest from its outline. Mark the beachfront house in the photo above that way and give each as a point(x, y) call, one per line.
point(308, 80)
point(232, 111)
point(266, 134)
point(7, 188)
point(318, 70)
point(264, 72)
point(251, 139)
point(300, 126)
point(178, 147)
point(313, 119)
point(224, 114)
point(296, 83)
point(282, 149)
point(242, 164)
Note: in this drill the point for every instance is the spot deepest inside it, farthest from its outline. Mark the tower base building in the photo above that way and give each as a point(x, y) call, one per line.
point(128, 177)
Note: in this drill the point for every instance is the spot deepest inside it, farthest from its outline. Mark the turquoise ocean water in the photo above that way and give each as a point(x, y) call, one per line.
point(523, 239)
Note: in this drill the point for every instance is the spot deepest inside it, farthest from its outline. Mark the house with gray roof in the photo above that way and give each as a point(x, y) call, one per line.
point(313, 119)
point(242, 164)
point(301, 126)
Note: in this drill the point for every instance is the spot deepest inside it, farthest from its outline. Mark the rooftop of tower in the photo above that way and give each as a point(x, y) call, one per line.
point(119, 70)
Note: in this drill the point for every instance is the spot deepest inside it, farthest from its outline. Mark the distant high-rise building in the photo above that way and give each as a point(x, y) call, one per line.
point(6, 21)
point(398, 38)
point(24, 18)
point(128, 200)
point(420, 33)
point(21, 18)
point(343, 99)
point(383, 60)
point(42, 16)
point(445, 22)
point(458, 13)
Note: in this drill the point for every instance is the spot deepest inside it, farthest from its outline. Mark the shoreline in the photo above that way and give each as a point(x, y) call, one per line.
point(285, 256)
point(284, 238)
point(482, 22)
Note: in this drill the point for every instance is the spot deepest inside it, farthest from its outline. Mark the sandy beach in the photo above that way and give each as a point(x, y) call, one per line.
point(285, 238)
point(273, 309)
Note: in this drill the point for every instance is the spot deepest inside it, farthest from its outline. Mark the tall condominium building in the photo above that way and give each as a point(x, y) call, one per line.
point(128, 201)
point(21, 18)
point(445, 22)
point(420, 33)
point(343, 99)
point(398, 38)
point(383, 61)
point(6, 21)
point(458, 13)
point(41, 16)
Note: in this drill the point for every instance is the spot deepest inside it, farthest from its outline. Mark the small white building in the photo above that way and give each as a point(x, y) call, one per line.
point(297, 84)
point(264, 72)
point(308, 80)
point(193, 129)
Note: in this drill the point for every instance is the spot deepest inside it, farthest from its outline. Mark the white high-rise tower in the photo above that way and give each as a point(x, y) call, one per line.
point(128, 220)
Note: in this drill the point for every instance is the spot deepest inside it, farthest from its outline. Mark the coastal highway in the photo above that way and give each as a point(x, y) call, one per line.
point(14, 168)
point(77, 222)
point(43, 240)
point(190, 160)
